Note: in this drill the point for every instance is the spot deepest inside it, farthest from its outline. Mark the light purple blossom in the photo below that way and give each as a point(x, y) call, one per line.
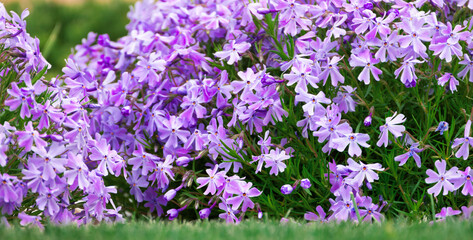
point(391, 125)
point(442, 179)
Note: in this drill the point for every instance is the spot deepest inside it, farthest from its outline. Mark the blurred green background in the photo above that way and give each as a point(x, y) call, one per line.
point(60, 25)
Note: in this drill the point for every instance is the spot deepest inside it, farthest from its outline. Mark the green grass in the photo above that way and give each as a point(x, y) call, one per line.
point(248, 230)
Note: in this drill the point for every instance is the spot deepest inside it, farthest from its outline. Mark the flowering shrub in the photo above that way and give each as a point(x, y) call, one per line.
point(236, 109)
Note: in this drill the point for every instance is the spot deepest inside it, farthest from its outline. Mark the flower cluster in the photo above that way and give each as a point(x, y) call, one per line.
point(210, 102)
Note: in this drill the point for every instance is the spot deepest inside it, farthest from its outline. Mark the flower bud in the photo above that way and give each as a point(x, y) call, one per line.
point(126, 111)
point(183, 161)
point(305, 183)
point(170, 195)
point(172, 214)
point(368, 120)
point(286, 189)
point(204, 213)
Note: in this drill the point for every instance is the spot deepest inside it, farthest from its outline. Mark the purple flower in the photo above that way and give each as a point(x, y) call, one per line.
point(77, 174)
point(171, 131)
point(243, 192)
point(310, 216)
point(45, 113)
point(49, 201)
point(465, 180)
point(452, 82)
point(468, 67)
point(148, 68)
point(214, 181)
point(19, 98)
point(331, 69)
point(248, 81)
point(137, 181)
point(442, 178)
point(161, 171)
point(392, 126)
point(232, 51)
point(172, 214)
point(371, 211)
point(275, 159)
point(8, 191)
point(108, 158)
point(352, 140)
point(446, 212)
point(361, 171)
point(229, 214)
point(412, 152)
point(27, 137)
point(407, 71)
point(312, 102)
point(302, 74)
point(192, 103)
point(365, 60)
point(467, 212)
point(50, 161)
point(286, 189)
point(344, 99)
point(417, 34)
point(442, 127)
point(465, 143)
point(27, 220)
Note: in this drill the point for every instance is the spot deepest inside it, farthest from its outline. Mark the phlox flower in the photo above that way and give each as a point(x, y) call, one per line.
point(361, 171)
point(465, 143)
point(442, 127)
point(365, 60)
point(452, 82)
point(353, 141)
point(243, 192)
point(302, 74)
point(442, 178)
point(468, 67)
point(30, 135)
point(407, 71)
point(412, 152)
point(446, 212)
point(344, 99)
point(331, 69)
point(392, 126)
point(214, 181)
point(275, 159)
point(232, 51)
point(311, 101)
point(464, 179)
point(229, 214)
point(310, 216)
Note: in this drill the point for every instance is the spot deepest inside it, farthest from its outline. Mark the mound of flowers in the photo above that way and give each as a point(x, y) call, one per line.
point(323, 110)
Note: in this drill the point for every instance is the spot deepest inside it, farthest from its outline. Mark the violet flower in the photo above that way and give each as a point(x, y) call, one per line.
point(232, 51)
point(452, 82)
point(442, 127)
point(392, 126)
point(465, 180)
point(412, 152)
point(465, 143)
point(442, 179)
point(361, 171)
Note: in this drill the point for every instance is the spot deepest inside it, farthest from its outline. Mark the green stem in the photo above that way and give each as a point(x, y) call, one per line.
point(356, 207)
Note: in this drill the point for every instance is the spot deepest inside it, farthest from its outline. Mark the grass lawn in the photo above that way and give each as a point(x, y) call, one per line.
point(248, 230)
